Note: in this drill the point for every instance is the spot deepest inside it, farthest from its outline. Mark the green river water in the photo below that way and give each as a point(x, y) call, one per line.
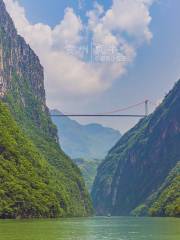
point(97, 228)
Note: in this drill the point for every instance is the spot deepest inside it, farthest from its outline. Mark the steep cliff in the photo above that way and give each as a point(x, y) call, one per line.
point(22, 88)
point(22, 77)
point(136, 172)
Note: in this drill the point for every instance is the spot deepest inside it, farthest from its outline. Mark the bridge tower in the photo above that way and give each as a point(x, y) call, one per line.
point(146, 107)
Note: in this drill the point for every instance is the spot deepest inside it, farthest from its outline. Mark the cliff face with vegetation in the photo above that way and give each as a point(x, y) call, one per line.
point(166, 200)
point(22, 89)
point(88, 169)
point(140, 175)
point(29, 186)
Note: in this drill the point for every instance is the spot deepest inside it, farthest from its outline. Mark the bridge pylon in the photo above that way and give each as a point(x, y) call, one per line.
point(146, 107)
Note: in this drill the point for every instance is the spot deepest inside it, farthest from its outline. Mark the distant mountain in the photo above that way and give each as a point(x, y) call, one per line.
point(86, 144)
point(84, 141)
point(88, 169)
point(37, 179)
point(141, 173)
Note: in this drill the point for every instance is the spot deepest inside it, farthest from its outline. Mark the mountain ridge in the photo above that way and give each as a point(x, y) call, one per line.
point(22, 89)
point(139, 163)
point(82, 141)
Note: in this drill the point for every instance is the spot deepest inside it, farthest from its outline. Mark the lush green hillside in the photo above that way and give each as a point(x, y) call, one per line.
point(166, 200)
point(136, 173)
point(22, 88)
point(29, 186)
point(92, 141)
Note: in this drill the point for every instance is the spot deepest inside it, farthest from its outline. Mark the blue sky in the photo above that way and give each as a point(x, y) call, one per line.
point(52, 13)
point(150, 75)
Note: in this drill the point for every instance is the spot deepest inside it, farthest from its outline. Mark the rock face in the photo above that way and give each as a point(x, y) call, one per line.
point(17, 57)
point(22, 89)
point(20, 68)
point(136, 168)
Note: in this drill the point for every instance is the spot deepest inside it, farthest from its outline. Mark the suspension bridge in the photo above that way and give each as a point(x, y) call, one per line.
point(113, 113)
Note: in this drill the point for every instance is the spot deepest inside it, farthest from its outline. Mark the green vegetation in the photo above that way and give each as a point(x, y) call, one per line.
point(88, 169)
point(167, 200)
point(29, 186)
point(37, 178)
point(86, 144)
point(37, 125)
point(136, 176)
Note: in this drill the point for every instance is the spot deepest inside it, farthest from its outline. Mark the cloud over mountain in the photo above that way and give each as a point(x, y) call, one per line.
point(116, 35)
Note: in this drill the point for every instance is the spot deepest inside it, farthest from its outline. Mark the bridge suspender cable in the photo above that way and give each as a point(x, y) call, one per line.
point(113, 113)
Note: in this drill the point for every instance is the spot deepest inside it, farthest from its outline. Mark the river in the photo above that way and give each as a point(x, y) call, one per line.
point(97, 228)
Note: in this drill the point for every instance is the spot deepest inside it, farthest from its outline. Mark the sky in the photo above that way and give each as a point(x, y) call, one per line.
point(102, 55)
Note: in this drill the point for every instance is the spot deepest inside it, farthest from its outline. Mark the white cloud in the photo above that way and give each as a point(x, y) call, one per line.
point(129, 16)
point(69, 75)
point(68, 30)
